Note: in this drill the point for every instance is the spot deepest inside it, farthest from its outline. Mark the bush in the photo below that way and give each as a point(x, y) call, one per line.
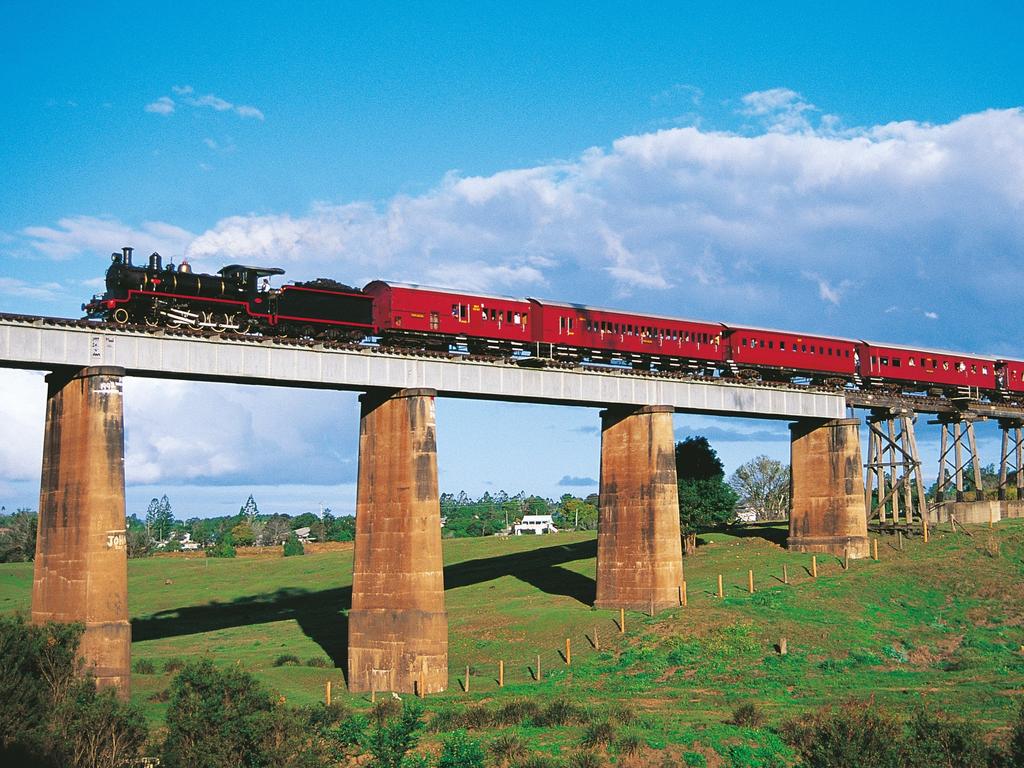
point(286, 660)
point(516, 711)
point(844, 737)
point(459, 751)
point(598, 734)
point(561, 712)
point(223, 548)
point(318, 661)
point(224, 717)
point(585, 760)
point(394, 737)
point(173, 664)
point(143, 667)
point(50, 715)
point(629, 744)
point(1017, 739)
point(538, 761)
point(936, 739)
point(351, 731)
point(477, 716)
point(748, 716)
point(507, 748)
point(293, 546)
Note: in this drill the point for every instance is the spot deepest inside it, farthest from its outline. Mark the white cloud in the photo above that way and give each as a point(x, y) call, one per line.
point(162, 106)
point(48, 291)
point(77, 235)
point(780, 109)
point(932, 315)
point(165, 105)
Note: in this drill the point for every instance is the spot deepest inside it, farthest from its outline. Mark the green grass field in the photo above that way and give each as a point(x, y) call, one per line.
point(941, 623)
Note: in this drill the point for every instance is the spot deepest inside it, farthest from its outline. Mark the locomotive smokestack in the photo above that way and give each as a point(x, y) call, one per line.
point(155, 262)
point(127, 255)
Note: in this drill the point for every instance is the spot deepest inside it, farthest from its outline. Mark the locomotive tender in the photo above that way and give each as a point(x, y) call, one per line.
point(239, 299)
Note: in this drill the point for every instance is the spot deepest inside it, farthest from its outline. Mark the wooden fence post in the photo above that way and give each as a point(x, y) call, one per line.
point(327, 694)
point(568, 652)
point(785, 574)
point(538, 667)
point(721, 593)
point(874, 549)
point(501, 674)
point(467, 679)
point(783, 647)
point(750, 581)
point(622, 620)
point(814, 566)
point(683, 590)
point(597, 642)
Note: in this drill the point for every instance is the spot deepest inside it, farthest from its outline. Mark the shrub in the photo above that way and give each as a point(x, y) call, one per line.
point(224, 717)
point(560, 712)
point(516, 711)
point(50, 715)
point(537, 761)
point(1017, 739)
point(143, 667)
point(351, 731)
point(459, 751)
point(598, 734)
point(845, 737)
point(173, 664)
point(317, 661)
point(394, 737)
point(507, 748)
point(293, 547)
point(444, 720)
point(629, 744)
point(585, 759)
point(286, 660)
point(936, 739)
point(223, 548)
point(385, 709)
point(477, 716)
point(748, 716)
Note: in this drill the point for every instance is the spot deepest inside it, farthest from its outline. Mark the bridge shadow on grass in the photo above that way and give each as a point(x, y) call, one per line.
point(320, 614)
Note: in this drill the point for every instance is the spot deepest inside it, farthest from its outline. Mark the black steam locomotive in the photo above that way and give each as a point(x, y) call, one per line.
point(238, 299)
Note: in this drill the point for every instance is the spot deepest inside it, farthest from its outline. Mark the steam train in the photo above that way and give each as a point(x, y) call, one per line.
point(240, 299)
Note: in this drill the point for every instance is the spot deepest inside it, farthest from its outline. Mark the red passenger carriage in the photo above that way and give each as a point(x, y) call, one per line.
point(436, 315)
point(573, 330)
point(936, 368)
point(787, 352)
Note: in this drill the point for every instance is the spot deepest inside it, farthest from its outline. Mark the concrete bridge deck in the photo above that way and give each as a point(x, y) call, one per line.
point(47, 344)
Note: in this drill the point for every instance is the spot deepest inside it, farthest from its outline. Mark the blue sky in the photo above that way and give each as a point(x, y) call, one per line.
point(855, 172)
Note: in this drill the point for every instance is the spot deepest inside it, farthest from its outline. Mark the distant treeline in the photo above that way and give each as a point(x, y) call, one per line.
point(490, 514)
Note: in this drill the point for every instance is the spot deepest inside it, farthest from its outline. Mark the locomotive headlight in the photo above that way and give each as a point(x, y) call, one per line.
point(111, 304)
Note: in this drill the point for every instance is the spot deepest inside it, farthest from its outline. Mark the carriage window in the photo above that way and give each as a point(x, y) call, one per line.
point(974, 368)
point(761, 344)
point(771, 344)
point(910, 362)
point(495, 314)
point(483, 312)
point(896, 362)
point(803, 347)
point(455, 310)
point(847, 353)
point(885, 361)
point(830, 351)
point(508, 316)
point(572, 323)
point(984, 369)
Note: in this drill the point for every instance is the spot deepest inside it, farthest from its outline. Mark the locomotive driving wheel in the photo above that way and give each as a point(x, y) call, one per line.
point(120, 316)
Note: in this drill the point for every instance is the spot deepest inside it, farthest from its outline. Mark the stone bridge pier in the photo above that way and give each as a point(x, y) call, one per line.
point(398, 627)
point(827, 512)
point(81, 566)
point(639, 549)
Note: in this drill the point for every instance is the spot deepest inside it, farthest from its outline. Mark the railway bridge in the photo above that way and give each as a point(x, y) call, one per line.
point(398, 627)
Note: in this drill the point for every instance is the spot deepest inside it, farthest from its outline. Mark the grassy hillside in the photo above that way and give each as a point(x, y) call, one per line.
point(942, 622)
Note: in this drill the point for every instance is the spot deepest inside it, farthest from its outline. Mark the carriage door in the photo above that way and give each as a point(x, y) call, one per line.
point(435, 321)
point(565, 326)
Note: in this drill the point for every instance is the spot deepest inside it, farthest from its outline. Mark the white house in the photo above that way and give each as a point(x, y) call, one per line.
point(535, 524)
point(187, 545)
point(302, 534)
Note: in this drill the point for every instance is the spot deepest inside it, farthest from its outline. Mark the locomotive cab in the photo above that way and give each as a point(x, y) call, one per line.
point(255, 282)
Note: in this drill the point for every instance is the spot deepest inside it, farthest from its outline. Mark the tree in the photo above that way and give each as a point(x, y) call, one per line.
point(19, 543)
point(159, 517)
point(578, 513)
point(697, 460)
point(342, 528)
point(705, 500)
point(293, 546)
point(249, 510)
point(242, 534)
point(138, 542)
point(223, 548)
point(459, 751)
point(305, 520)
point(763, 485)
point(276, 530)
